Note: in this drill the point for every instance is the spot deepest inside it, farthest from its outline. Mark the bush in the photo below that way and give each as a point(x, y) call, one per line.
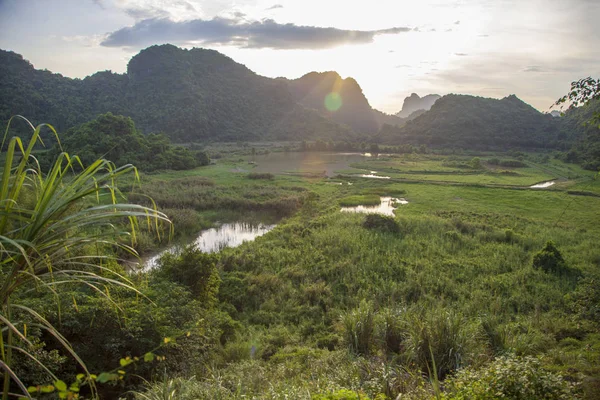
point(257, 175)
point(509, 377)
point(550, 260)
point(441, 338)
point(359, 328)
point(194, 269)
point(382, 223)
point(391, 330)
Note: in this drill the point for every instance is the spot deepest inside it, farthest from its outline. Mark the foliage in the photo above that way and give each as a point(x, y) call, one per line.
point(114, 137)
point(49, 224)
point(191, 95)
point(257, 175)
point(470, 122)
point(381, 223)
point(360, 200)
point(509, 377)
point(549, 259)
point(342, 394)
point(195, 270)
point(582, 120)
point(359, 328)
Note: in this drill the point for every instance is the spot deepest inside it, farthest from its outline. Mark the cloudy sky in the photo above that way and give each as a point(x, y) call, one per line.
point(492, 48)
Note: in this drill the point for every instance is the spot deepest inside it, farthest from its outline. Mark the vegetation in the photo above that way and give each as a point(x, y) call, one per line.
point(360, 200)
point(477, 287)
point(56, 229)
point(190, 95)
point(115, 137)
point(469, 122)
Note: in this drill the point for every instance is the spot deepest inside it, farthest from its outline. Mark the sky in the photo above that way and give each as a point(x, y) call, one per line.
point(490, 48)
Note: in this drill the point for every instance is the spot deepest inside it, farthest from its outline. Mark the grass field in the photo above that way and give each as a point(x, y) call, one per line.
point(460, 260)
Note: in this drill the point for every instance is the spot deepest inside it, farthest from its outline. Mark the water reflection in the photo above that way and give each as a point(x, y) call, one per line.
point(386, 207)
point(215, 239)
point(324, 164)
point(542, 185)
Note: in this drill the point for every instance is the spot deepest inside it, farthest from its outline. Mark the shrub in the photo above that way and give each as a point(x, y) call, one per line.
point(359, 328)
point(382, 223)
point(550, 260)
point(257, 175)
point(441, 338)
point(194, 269)
point(391, 330)
point(509, 377)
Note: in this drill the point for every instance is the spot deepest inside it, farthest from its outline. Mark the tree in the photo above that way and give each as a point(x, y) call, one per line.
point(582, 91)
point(48, 224)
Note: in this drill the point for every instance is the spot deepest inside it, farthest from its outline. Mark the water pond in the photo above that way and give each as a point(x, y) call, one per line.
point(327, 164)
point(542, 185)
point(215, 239)
point(386, 207)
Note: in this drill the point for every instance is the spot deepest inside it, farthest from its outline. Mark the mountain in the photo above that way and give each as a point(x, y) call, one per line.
point(190, 95)
point(341, 100)
point(472, 122)
point(414, 103)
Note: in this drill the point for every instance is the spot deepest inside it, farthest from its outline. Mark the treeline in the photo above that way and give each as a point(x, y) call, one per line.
point(374, 148)
point(479, 123)
point(114, 137)
point(578, 126)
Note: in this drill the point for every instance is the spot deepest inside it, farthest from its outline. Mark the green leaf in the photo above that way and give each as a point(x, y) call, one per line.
point(125, 361)
point(106, 377)
point(149, 357)
point(32, 389)
point(60, 386)
point(47, 389)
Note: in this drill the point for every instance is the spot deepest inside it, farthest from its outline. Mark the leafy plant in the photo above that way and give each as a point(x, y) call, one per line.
point(359, 328)
point(48, 224)
point(382, 223)
point(509, 377)
point(549, 259)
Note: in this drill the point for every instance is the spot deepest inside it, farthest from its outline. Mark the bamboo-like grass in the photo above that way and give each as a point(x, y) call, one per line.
point(47, 220)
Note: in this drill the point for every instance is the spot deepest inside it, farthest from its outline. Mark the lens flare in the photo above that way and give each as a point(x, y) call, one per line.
point(333, 101)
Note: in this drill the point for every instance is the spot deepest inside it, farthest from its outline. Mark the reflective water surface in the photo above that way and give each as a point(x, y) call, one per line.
point(386, 207)
point(542, 185)
point(215, 239)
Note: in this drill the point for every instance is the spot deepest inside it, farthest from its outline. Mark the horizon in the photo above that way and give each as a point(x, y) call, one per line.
point(392, 49)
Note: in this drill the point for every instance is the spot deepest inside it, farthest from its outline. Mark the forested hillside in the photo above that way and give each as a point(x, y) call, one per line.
point(342, 100)
point(577, 126)
point(114, 137)
point(462, 121)
point(189, 95)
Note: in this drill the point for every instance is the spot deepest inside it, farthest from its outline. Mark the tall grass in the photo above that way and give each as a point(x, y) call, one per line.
point(48, 222)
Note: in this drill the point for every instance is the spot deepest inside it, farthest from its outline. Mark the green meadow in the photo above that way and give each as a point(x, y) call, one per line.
point(477, 280)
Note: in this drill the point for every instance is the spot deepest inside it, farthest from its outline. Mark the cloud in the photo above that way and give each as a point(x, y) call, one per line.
point(533, 68)
point(146, 9)
point(235, 32)
point(274, 7)
point(99, 3)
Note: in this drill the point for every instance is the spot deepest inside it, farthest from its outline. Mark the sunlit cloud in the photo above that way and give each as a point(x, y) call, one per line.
point(241, 33)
